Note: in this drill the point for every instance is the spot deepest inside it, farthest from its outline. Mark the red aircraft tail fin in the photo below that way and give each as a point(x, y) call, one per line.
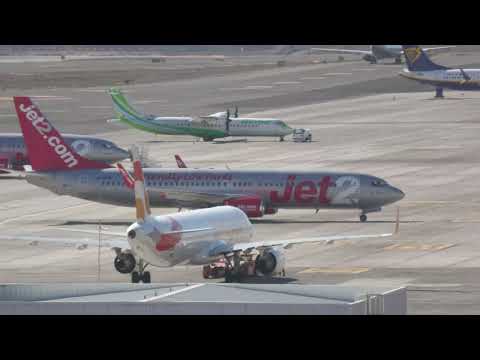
point(46, 148)
point(180, 162)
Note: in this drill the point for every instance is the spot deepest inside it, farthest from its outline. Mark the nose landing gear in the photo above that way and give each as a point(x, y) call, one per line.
point(363, 218)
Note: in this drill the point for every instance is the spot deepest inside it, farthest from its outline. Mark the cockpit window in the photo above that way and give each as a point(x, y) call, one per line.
point(379, 183)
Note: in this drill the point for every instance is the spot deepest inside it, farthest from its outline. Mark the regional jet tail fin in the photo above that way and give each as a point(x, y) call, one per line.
point(47, 150)
point(122, 106)
point(418, 60)
point(142, 202)
point(180, 163)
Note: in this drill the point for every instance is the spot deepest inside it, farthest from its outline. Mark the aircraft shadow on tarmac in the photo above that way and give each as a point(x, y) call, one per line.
point(272, 221)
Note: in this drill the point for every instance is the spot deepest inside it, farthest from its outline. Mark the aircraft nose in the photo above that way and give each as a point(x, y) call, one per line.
point(396, 194)
point(120, 154)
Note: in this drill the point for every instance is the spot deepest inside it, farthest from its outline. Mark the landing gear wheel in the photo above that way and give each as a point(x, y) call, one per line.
point(135, 277)
point(363, 218)
point(230, 277)
point(146, 277)
point(282, 139)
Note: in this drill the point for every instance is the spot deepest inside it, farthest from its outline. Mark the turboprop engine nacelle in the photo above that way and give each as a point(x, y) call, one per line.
point(270, 262)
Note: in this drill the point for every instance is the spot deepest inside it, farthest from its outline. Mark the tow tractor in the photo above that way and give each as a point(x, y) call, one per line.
point(247, 268)
point(302, 135)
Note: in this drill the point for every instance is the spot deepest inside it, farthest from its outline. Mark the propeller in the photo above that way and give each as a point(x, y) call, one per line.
point(227, 122)
point(465, 76)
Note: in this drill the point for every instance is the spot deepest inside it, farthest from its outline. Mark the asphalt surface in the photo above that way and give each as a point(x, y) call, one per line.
point(364, 118)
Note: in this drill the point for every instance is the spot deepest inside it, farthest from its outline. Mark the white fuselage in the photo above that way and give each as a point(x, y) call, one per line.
point(237, 126)
point(468, 79)
point(220, 227)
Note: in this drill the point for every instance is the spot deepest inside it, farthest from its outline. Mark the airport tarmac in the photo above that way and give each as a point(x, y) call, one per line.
point(363, 118)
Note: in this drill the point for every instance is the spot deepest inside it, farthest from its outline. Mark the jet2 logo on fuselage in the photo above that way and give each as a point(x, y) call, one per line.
point(309, 192)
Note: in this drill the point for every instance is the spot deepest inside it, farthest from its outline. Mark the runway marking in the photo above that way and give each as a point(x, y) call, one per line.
point(188, 288)
point(49, 97)
point(364, 69)
point(287, 83)
point(418, 247)
point(42, 213)
point(149, 101)
point(95, 107)
point(7, 115)
point(258, 87)
point(336, 74)
point(313, 78)
point(334, 270)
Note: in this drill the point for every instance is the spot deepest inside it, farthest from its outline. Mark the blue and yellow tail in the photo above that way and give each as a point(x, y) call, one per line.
point(417, 60)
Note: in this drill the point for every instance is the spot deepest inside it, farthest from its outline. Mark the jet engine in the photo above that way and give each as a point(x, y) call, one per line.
point(124, 263)
point(271, 211)
point(270, 262)
point(253, 207)
point(370, 58)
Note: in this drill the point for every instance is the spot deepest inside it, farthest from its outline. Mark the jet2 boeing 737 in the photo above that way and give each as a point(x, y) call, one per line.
point(57, 167)
point(14, 155)
point(420, 68)
point(198, 237)
point(218, 125)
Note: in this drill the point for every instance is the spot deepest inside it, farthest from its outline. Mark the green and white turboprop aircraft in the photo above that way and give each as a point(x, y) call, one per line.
point(218, 125)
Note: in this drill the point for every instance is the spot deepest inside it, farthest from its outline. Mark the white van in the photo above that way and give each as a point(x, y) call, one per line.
point(302, 135)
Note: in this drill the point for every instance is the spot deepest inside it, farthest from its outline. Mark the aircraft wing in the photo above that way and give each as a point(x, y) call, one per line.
point(80, 244)
point(438, 48)
point(200, 199)
point(287, 244)
point(343, 51)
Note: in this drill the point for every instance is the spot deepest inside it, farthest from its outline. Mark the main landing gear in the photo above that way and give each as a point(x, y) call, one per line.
point(439, 93)
point(141, 275)
point(363, 215)
point(282, 138)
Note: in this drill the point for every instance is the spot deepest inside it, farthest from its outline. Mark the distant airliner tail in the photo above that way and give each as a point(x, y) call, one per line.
point(47, 150)
point(142, 202)
point(122, 106)
point(418, 60)
point(180, 163)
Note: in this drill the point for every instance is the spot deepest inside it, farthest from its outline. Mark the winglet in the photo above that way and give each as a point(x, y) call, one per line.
point(180, 163)
point(142, 202)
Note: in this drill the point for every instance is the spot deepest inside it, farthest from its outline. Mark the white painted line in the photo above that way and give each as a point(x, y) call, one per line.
point(43, 213)
point(372, 69)
point(172, 293)
point(255, 87)
point(149, 101)
point(337, 74)
point(7, 115)
point(95, 107)
point(287, 83)
point(313, 78)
